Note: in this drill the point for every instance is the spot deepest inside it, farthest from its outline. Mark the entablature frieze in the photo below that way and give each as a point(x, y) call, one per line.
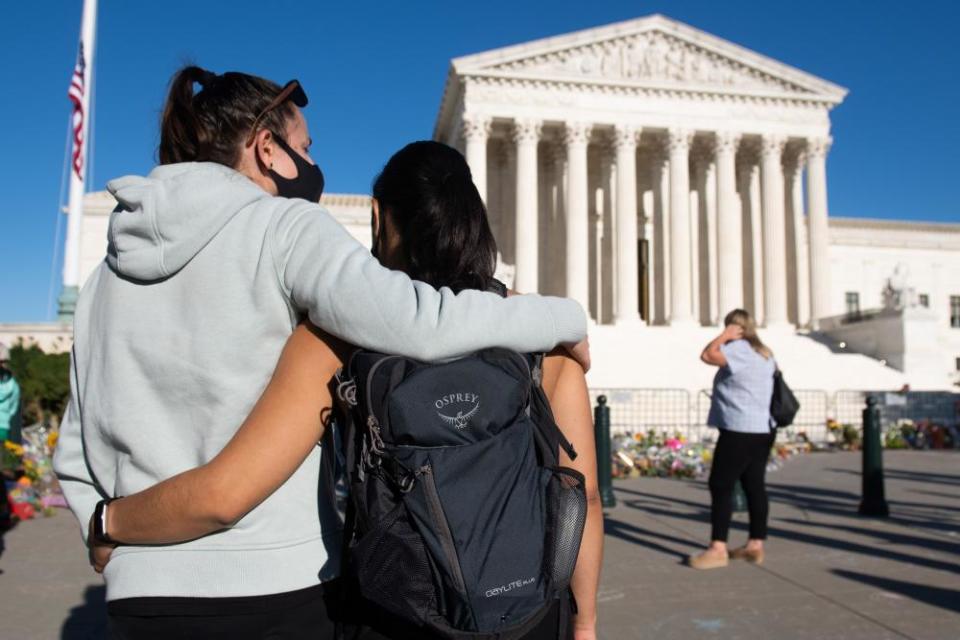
point(550, 103)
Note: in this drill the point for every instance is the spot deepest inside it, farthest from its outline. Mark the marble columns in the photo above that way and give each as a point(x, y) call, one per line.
point(576, 135)
point(476, 131)
point(729, 226)
point(526, 136)
point(681, 300)
point(774, 231)
point(818, 231)
point(628, 295)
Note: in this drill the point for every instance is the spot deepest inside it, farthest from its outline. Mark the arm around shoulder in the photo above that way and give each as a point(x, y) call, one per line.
point(348, 293)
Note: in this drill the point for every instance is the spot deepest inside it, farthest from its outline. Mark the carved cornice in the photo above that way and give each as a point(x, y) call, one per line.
point(698, 94)
point(526, 131)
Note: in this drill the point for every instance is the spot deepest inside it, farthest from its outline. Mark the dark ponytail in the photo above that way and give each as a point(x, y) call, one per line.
point(212, 124)
point(427, 191)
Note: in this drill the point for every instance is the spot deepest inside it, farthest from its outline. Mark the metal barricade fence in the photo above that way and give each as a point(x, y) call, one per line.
point(937, 407)
point(671, 411)
point(812, 417)
point(640, 410)
point(848, 407)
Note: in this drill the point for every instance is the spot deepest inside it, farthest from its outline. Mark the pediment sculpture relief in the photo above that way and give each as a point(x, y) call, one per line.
point(651, 56)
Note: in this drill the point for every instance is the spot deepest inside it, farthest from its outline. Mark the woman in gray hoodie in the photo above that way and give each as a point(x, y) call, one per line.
point(177, 333)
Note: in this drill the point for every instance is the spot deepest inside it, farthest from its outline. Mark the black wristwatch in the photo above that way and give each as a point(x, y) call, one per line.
point(100, 535)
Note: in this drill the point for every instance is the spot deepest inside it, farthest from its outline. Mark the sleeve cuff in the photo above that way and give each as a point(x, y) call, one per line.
point(569, 319)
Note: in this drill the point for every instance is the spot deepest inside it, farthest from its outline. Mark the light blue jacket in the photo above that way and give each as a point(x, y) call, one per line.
point(9, 403)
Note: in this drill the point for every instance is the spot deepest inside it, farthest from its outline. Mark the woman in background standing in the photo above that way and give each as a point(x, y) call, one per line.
point(740, 409)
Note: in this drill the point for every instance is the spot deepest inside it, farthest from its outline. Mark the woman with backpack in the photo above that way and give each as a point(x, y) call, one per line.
point(213, 260)
point(740, 409)
point(429, 221)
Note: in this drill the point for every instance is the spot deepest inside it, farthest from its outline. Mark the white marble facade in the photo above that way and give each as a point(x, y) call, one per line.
point(663, 176)
point(654, 172)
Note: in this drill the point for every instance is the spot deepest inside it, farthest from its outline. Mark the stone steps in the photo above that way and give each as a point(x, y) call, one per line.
point(669, 357)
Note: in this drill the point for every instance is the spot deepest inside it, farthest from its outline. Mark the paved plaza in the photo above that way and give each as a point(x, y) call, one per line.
point(829, 573)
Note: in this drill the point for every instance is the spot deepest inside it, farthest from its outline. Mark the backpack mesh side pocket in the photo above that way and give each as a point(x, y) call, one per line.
point(566, 503)
point(394, 570)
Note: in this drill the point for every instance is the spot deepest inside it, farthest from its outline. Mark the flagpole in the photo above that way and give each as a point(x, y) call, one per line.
point(78, 170)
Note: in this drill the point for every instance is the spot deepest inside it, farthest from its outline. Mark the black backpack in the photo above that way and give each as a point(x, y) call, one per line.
point(460, 520)
point(783, 405)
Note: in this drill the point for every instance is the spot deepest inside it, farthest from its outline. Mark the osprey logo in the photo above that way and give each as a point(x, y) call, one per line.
point(466, 406)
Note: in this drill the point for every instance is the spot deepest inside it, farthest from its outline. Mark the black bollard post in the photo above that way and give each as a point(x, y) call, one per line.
point(873, 502)
point(601, 426)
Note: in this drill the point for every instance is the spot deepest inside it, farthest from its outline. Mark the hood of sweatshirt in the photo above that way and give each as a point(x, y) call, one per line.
point(166, 218)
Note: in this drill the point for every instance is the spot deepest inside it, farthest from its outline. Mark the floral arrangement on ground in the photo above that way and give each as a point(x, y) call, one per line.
point(27, 469)
point(657, 454)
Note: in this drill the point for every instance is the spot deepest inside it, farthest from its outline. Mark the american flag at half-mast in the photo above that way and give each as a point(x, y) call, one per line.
point(75, 93)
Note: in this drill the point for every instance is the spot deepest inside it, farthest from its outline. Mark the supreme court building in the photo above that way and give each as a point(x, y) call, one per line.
point(663, 176)
point(651, 171)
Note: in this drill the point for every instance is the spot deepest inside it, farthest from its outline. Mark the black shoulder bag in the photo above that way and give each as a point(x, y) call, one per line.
point(783, 405)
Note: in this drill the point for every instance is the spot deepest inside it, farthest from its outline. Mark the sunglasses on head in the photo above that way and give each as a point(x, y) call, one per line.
point(291, 91)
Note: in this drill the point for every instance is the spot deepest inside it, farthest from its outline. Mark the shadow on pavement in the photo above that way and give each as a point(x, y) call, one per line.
point(87, 621)
point(837, 503)
point(916, 476)
point(637, 535)
point(835, 543)
point(948, 599)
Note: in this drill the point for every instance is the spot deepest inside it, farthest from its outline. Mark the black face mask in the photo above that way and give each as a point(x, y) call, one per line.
point(309, 181)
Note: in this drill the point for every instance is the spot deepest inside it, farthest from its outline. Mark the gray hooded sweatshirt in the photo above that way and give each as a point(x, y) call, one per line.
point(177, 333)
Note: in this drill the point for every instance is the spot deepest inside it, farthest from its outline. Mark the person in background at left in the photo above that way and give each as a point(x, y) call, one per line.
point(9, 426)
point(9, 399)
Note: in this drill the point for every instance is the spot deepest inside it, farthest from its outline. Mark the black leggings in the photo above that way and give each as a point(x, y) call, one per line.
point(739, 456)
point(297, 615)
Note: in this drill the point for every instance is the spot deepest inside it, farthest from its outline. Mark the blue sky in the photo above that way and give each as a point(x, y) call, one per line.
point(375, 71)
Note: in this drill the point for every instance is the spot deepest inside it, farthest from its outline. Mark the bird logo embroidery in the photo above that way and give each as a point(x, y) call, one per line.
point(461, 420)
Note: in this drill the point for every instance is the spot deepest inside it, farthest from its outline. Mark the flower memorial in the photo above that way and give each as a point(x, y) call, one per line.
point(657, 454)
point(27, 469)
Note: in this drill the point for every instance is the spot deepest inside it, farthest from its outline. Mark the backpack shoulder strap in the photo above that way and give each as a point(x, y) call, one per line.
point(549, 434)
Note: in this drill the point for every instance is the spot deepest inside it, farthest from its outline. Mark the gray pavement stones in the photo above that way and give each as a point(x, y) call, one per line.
point(829, 573)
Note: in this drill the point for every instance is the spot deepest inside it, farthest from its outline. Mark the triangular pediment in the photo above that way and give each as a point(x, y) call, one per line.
point(652, 51)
